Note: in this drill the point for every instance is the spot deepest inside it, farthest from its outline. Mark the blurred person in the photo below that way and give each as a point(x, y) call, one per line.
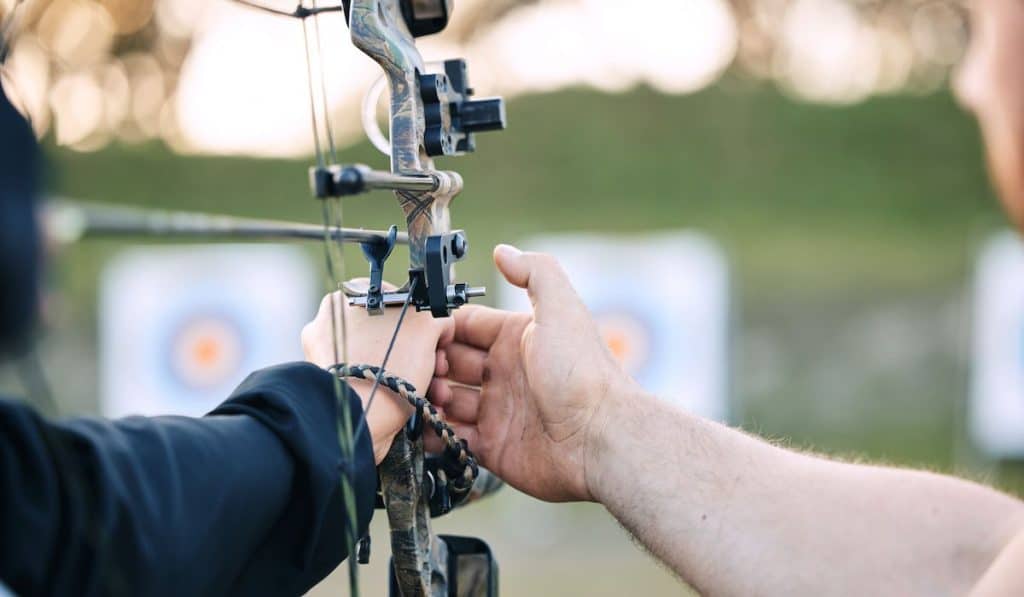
point(243, 501)
point(547, 408)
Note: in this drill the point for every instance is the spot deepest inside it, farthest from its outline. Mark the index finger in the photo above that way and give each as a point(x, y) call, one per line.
point(478, 326)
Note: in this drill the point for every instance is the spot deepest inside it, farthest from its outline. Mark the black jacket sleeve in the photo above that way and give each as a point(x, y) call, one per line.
point(244, 501)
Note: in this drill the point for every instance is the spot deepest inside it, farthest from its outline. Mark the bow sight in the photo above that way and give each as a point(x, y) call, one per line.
point(431, 115)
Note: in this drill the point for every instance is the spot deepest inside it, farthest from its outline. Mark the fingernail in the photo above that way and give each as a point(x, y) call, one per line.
point(507, 251)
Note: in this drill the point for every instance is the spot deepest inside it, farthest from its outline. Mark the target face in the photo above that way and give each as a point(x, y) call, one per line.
point(206, 351)
point(181, 327)
point(996, 405)
point(628, 338)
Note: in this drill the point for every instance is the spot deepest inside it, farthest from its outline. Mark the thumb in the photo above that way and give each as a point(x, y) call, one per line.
point(540, 274)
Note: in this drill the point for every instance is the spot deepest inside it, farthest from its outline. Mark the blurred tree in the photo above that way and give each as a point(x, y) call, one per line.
point(96, 70)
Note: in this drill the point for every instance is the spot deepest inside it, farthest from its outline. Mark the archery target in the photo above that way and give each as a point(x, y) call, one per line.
point(181, 327)
point(205, 350)
point(661, 304)
point(996, 404)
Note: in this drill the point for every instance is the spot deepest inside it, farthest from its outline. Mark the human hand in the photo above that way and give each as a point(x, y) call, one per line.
point(530, 392)
point(414, 357)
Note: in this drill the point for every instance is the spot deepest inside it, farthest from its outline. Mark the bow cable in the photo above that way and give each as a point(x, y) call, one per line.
point(387, 355)
point(300, 12)
point(334, 261)
point(335, 264)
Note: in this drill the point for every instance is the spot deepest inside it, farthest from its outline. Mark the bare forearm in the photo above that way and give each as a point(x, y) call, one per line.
point(735, 515)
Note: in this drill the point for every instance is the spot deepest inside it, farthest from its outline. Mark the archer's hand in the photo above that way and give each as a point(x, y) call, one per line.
point(537, 385)
point(414, 357)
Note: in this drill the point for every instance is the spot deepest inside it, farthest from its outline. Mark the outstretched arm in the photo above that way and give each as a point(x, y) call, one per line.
point(245, 498)
point(735, 515)
point(548, 409)
point(245, 501)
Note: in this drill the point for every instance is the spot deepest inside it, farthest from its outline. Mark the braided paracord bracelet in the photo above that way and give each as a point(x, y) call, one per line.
point(460, 464)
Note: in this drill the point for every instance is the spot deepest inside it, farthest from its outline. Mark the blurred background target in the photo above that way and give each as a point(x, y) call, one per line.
point(996, 405)
point(206, 350)
point(628, 336)
point(181, 327)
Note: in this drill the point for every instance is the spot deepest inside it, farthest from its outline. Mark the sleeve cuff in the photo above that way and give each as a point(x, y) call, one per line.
point(296, 402)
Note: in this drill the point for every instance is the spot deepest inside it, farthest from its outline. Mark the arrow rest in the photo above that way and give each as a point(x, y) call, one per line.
point(377, 253)
point(431, 285)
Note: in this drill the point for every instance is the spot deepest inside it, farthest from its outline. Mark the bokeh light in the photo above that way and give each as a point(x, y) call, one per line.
point(218, 77)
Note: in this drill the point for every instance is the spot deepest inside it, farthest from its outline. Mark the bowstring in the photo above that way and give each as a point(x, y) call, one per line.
point(300, 11)
point(335, 264)
point(323, 86)
point(320, 160)
point(267, 9)
point(7, 26)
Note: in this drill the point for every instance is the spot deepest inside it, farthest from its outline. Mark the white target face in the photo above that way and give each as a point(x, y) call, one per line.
point(628, 339)
point(996, 407)
point(181, 327)
point(206, 351)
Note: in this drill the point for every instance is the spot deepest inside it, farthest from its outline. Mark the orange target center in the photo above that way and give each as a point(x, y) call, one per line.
point(206, 351)
point(618, 344)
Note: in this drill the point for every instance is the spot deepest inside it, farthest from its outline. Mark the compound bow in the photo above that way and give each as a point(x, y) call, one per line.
point(431, 114)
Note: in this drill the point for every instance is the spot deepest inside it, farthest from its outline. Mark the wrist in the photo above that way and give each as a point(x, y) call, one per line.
point(381, 442)
point(613, 422)
point(361, 387)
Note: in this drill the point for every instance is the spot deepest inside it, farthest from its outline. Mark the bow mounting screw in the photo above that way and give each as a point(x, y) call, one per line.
point(459, 246)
